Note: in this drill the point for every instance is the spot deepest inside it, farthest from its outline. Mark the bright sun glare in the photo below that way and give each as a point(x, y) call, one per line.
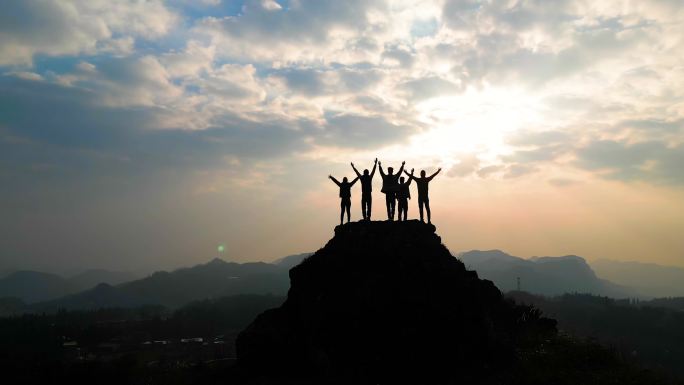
point(475, 122)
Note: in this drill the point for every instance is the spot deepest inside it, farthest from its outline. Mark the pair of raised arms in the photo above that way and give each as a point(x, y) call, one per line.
point(428, 178)
point(358, 174)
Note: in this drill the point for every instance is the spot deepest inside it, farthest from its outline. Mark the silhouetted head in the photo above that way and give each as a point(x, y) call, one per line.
point(422, 173)
point(344, 179)
point(365, 172)
point(401, 179)
point(390, 170)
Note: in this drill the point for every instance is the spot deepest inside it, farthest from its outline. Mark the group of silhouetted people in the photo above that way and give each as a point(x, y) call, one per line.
point(394, 186)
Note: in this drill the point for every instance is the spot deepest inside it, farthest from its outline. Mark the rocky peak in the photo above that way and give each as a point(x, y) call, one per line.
point(383, 302)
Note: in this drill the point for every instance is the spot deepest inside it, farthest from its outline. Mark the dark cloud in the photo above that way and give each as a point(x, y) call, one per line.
point(356, 131)
point(517, 16)
point(466, 166)
point(654, 125)
point(304, 81)
point(651, 161)
point(276, 32)
point(429, 87)
point(519, 170)
point(401, 55)
point(69, 119)
point(101, 139)
point(484, 172)
point(358, 80)
point(329, 81)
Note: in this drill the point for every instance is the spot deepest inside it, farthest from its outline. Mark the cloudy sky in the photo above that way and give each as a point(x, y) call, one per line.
point(142, 134)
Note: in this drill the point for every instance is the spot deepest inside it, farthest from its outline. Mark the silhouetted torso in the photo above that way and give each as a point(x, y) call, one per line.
point(366, 184)
point(345, 189)
point(423, 184)
point(390, 183)
point(404, 191)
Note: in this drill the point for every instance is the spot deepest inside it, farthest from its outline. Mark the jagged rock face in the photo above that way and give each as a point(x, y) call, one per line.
point(382, 302)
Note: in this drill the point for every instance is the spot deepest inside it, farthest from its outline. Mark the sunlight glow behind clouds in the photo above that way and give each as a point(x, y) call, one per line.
point(235, 100)
point(476, 121)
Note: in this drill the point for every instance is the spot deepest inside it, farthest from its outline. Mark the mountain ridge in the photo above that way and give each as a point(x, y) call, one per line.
point(541, 275)
point(177, 287)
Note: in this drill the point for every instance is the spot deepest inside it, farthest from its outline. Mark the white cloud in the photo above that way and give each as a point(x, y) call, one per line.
point(344, 72)
point(64, 27)
point(543, 94)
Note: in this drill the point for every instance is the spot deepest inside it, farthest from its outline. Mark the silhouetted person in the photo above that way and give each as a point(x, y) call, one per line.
point(366, 189)
point(403, 195)
point(423, 199)
point(390, 186)
point(345, 195)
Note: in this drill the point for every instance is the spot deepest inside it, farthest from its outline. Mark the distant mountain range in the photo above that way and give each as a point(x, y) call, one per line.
point(33, 286)
point(291, 260)
point(31, 291)
point(214, 279)
point(541, 275)
point(649, 279)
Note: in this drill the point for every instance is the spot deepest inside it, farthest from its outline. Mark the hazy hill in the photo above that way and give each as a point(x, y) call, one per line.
point(291, 260)
point(90, 278)
point(541, 275)
point(101, 296)
point(648, 279)
point(32, 286)
point(214, 279)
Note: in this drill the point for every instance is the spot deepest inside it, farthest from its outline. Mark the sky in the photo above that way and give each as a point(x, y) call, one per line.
point(142, 134)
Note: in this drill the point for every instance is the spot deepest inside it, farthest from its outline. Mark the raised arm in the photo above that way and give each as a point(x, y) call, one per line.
point(374, 166)
point(355, 170)
point(409, 175)
point(401, 168)
point(435, 174)
point(334, 180)
point(380, 168)
point(354, 181)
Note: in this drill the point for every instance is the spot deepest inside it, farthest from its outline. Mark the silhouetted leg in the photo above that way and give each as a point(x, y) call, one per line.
point(342, 211)
point(348, 211)
point(420, 208)
point(394, 204)
point(366, 207)
point(369, 204)
point(427, 208)
point(388, 202)
point(402, 209)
